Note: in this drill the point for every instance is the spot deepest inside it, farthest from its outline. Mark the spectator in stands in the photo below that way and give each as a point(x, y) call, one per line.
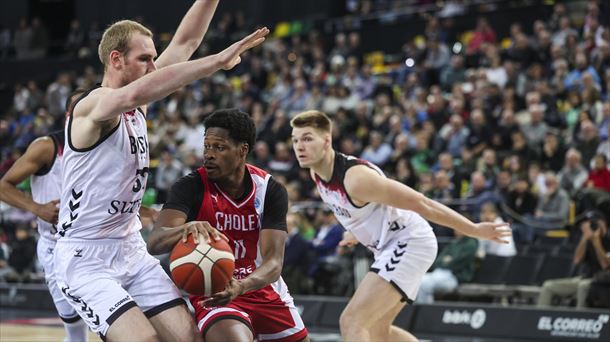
point(40, 39)
point(479, 136)
point(443, 188)
point(587, 141)
point(573, 174)
point(5, 42)
point(489, 213)
point(23, 40)
point(75, 39)
point(552, 209)
point(480, 192)
point(536, 129)
point(599, 176)
point(168, 172)
point(22, 256)
point(454, 135)
point(455, 264)
point(590, 257)
point(324, 246)
point(282, 162)
point(296, 257)
point(454, 73)
point(483, 33)
point(604, 147)
point(553, 152)
point(574, 79)
point(377, 151)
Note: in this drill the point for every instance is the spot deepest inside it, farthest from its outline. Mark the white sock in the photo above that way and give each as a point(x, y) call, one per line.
point(76, 332)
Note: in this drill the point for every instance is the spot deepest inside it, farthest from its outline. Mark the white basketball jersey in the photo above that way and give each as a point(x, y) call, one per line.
point(373, 224)
point(46, 185)
point(103, 185)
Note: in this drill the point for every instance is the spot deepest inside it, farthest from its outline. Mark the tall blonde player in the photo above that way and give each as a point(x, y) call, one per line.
point(386, 216)
point(102, 265)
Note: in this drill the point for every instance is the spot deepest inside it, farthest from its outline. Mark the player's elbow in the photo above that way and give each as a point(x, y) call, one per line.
point(422, 205)
point(275, 271)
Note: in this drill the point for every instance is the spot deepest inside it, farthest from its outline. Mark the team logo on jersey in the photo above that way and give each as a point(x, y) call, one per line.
point(257, 203)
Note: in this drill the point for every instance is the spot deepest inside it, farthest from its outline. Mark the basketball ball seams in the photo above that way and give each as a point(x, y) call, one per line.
point(205, 272)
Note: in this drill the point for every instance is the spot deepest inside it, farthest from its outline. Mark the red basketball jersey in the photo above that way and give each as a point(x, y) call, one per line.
point(241, 223)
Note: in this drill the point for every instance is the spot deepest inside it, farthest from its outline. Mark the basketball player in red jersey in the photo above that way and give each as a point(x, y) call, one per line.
point(101, 262)
point(249, 207)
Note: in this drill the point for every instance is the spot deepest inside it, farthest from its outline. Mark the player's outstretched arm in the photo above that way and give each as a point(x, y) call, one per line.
point(105, 103)
point(189, 34)
point(359, 181)
point(171, 227)
point(39, 153)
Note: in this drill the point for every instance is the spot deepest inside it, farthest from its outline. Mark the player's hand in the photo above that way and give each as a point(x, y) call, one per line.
point(203, 228)
point(48, 212)
point(348, 240)
point(233, 289)
point(229, 57)
point(492, 231)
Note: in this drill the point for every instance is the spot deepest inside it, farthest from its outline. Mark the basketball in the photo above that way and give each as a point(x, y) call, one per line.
point(202, 269)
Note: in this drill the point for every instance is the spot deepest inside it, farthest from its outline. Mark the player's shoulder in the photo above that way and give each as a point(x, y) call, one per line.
point(87, 100)
point(190, 179)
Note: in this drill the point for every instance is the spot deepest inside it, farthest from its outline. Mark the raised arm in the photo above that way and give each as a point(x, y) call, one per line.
point(189, 34)
point(40, 153)
point(359, 180)
point(106, 103)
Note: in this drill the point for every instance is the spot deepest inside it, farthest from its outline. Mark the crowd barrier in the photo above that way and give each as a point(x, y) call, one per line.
point(441, 319)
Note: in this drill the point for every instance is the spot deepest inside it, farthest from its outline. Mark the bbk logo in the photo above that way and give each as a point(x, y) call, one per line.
point(573, 327)
point(475, 319)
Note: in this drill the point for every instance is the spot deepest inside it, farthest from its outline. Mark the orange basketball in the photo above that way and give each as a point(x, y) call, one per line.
point(202, 269)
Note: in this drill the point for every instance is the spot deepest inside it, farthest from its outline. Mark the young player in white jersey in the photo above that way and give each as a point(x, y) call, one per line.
point(387, 217)
point(101, 261)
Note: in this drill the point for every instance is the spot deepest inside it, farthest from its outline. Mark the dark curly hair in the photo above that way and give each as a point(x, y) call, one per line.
point(239, 124)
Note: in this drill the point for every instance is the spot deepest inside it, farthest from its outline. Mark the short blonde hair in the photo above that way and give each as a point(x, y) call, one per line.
point(116, 37)
point(312, 118)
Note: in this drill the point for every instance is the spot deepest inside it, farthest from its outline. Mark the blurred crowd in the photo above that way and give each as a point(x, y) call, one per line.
point(521, 122)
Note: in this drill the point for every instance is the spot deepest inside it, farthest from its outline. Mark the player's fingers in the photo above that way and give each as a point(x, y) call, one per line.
point(201, 230)
point(55, 201)
point(210, 232)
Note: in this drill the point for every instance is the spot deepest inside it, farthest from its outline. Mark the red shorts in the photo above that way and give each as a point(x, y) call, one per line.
point(269, 320)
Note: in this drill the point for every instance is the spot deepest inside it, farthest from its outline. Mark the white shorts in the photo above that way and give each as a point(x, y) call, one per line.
point(403, 263)
point(45, 248)
point(104, 278)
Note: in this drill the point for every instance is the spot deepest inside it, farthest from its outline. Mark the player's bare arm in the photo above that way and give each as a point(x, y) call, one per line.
point(189, 34)
point(39, 154)
point(171, 227)
point(104, 104)
point(359, 180)
point(272, 242)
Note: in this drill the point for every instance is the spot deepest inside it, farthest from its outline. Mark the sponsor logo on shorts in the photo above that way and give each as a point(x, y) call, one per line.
point(78, 253)
point(572, 326)
point(119, 303)
point(475, 319)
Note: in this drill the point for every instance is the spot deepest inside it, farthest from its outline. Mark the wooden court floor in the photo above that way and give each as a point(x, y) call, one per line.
point(33, 333)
